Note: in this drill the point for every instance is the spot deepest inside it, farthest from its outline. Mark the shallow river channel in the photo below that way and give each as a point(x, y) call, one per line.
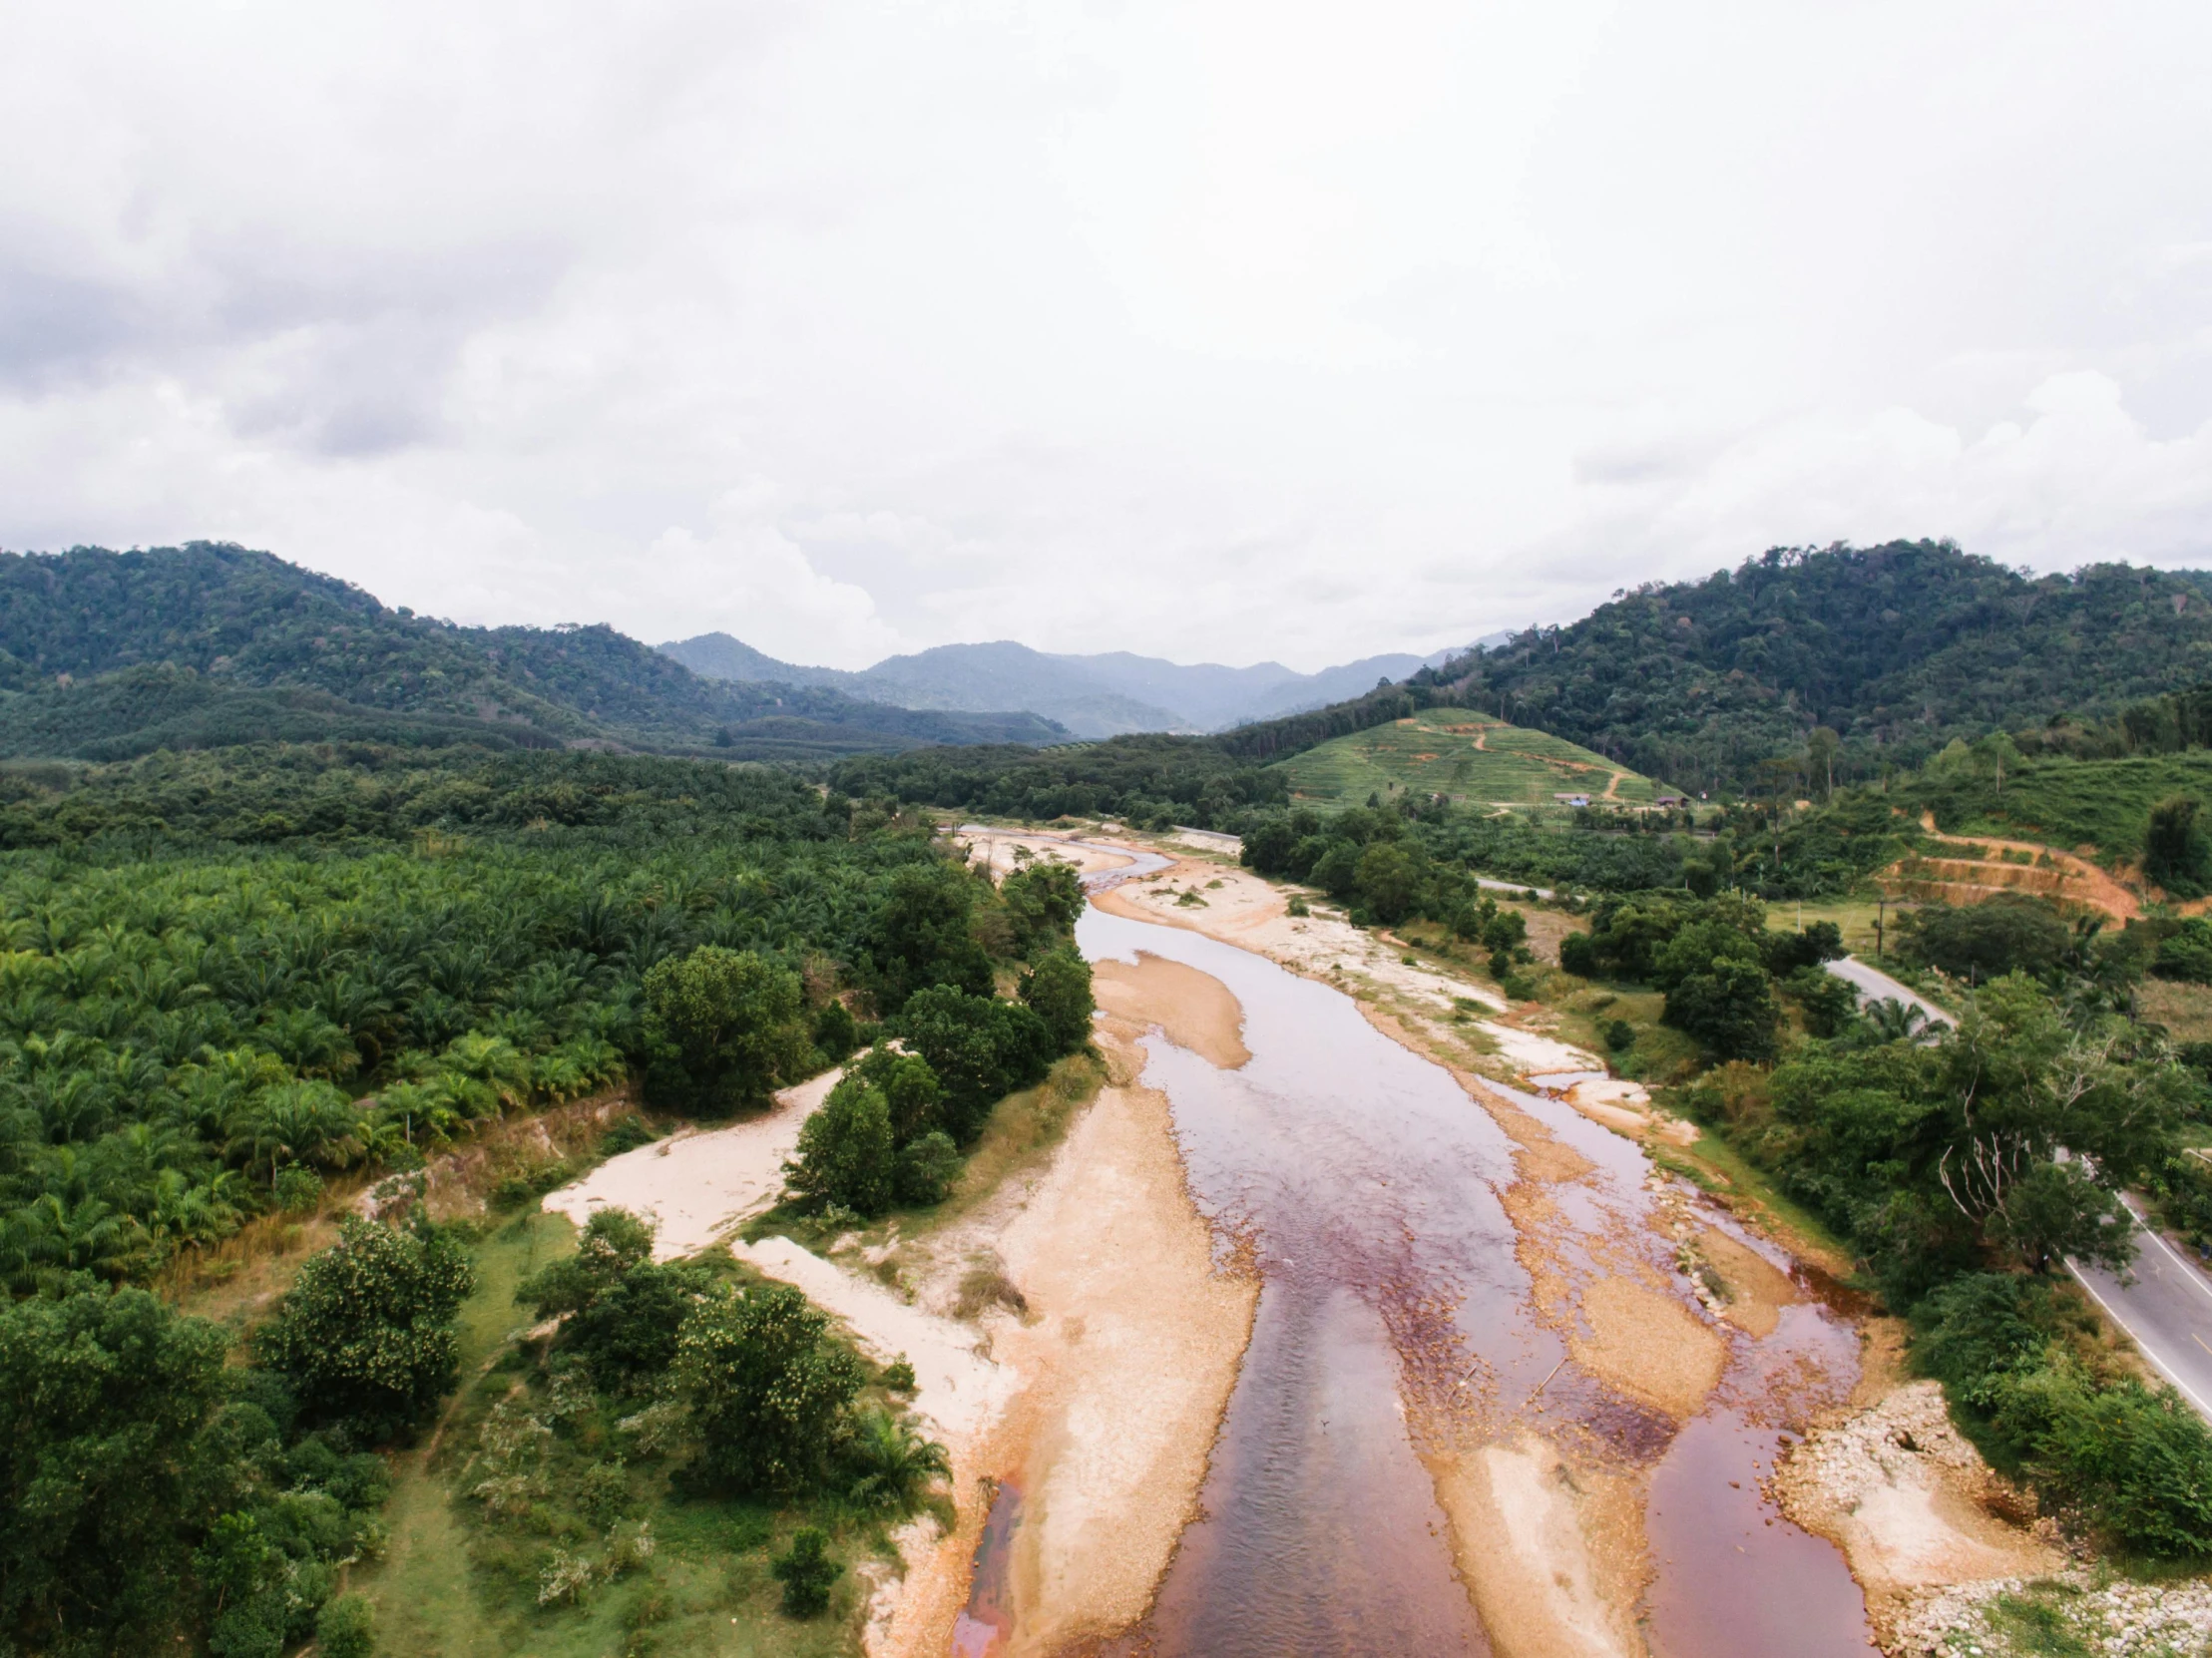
point(1397, 1325)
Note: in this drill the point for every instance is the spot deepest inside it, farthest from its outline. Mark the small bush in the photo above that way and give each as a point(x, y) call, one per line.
point(898, 1376)
point(346, 1628)
point(926, 1169)
point(806, 1572)
point(296, 1190)
point(1620, 1035)
point(626, 1133)
point(1299, 907)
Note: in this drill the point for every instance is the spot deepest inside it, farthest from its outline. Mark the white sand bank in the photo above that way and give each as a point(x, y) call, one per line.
point(697, 1185)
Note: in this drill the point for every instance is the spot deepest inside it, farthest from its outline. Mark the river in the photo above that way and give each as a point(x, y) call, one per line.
point(1400, 1329)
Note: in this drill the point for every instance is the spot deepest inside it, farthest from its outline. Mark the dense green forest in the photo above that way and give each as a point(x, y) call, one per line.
point(229, 628)
point(1895, 649)
point(230, 977)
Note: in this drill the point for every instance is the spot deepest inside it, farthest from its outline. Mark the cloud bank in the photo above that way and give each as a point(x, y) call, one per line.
point(1218, 330)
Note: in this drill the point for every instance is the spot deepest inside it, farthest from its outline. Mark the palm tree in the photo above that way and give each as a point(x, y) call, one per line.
point(892, 1464)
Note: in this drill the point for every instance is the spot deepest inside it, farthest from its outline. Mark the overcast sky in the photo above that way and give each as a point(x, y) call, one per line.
point(1213, 331)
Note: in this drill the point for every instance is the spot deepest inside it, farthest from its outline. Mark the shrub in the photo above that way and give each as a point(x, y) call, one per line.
point(2186, 952)
point(769, 1389)
point(1620, 1035)
point(365, 1335)
point(926, 1169)
point(846, 1153)
point(2009, 934)
point(2175, 849)
point(806, 1572)
point(346, 1628)
point(836, 1031)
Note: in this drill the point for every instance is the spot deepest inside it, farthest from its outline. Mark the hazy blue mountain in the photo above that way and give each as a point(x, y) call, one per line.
point(1093, 695)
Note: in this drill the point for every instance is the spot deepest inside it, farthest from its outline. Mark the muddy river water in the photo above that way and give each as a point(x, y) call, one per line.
point(1397, 1327)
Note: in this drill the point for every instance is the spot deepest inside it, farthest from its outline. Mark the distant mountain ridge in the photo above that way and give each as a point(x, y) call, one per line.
point(105, 655)
point(1109, 694)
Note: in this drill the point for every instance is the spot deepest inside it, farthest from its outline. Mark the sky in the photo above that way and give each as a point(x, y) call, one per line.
point(1215, 332)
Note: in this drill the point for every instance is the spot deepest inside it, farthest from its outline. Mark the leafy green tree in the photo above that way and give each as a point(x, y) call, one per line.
point(2186, 952)
point(1337, 871)
point(613, 1243)
point(2176, 852)
point(1980, 942)
point(1729, 1009)
point(836, 1031)
point(846, 1153)
point(980, 1048)
point(1059, 988)
point(806, 1572)
point(909, 1087)
point(769, 1389)
point(365, 1335)
point(927, 1167)
point(346, 1628)
point(1043, 902)
point(922, 935)
point(725, 1027)
point(108, 1459)
point(1390, 881)
point(1830, 1004)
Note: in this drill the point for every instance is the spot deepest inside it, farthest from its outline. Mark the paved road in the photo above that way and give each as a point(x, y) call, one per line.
point(2165, 1308)
point(1511, 886)
point(1873, 985)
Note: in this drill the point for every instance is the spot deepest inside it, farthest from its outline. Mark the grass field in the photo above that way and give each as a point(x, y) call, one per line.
point(2069, 803)
point(1467, 755)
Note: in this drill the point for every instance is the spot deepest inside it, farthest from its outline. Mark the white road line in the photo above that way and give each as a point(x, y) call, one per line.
point(2163, 1368)
point(2187, 1271)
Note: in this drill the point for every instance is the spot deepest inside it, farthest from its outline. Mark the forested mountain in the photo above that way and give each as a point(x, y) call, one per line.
point(207, 633)
point(1102, 696)
point(1898, 649)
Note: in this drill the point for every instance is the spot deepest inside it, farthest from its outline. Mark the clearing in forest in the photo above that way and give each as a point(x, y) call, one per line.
point(1467, 755)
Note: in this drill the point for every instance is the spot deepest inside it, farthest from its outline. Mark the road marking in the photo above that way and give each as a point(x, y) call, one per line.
point(2199, 1340)
point(2187, 1271)
point(2163, 1368)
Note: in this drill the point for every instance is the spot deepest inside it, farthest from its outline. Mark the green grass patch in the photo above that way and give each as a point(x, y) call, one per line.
point(1435, 752)
point(2068, 803)
point(456, 1583)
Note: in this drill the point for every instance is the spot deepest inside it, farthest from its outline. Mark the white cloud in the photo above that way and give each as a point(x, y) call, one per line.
point(1224, 330)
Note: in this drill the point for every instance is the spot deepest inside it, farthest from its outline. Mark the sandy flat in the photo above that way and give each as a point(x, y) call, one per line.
point(697, 1185)
point(1196, 1010)
point(1123, 1368)
point(959, 1388)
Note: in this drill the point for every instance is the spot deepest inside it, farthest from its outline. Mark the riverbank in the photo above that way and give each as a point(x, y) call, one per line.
point(1932, 1525)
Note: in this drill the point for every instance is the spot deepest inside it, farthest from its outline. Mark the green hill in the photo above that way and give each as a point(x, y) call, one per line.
point(117, 654)
point(1469, 757)
point(1898, 649)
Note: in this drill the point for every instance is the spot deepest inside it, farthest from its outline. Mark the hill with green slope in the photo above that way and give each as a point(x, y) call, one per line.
point(1461, 755)
point(1897, 648)
point(238, 625)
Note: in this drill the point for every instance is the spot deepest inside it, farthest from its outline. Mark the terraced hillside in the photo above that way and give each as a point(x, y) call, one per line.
point(1470, 756)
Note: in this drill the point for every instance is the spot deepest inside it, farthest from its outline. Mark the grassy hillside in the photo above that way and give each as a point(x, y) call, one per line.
point(190, 629)
point(1458, 752)
point(2065, 803)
